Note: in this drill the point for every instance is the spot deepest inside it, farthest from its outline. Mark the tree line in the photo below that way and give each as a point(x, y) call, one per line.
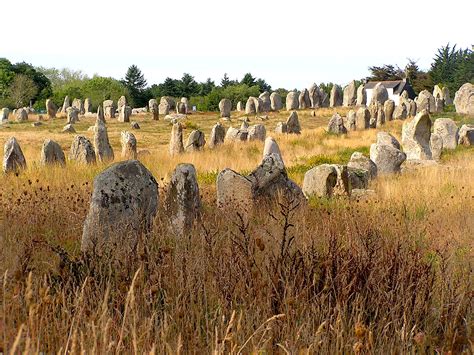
point(22, 84)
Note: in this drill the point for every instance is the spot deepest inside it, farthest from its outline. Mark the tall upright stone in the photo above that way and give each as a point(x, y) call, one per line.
point(389, 108)
point(176, 142)
point(361, 96)
point(72, 115)
point(351, 120)
point(315, 96)
point(416, 135)
point(292, 101)
point(350, 94)
point(426, 101)
point(103, 149)
point(109, 109)
point(66, 104)
point(78, 105)
point(52, 154)
point(100, 114)
point(51, 109)
point(275, 102)
point(225, 106)
point(362, 118)
point(240, 106)
point(88, 106)
point(293, 123)
point(250, 108)
point(13, 158)
point(82, 151)
point(123, 206)
point(129, 145)
point(217, 135)
point(4, 113)
point(183, 201)
point(153, 107)
point(448, 131)
point(122, 101)
point(124, 113)
point(379, 94)
point(266, 102)
point(303, 100)
point(336, 125)
point(271, 147)
point(464, 99)
point(335, 99)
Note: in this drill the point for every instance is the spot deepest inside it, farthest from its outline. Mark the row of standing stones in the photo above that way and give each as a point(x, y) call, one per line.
point(125, 196)
point(313, 97)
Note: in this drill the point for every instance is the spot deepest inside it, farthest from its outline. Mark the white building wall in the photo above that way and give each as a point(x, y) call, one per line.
point(391, 96)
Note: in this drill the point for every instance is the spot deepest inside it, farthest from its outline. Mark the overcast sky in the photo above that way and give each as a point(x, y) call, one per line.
point(290, 44)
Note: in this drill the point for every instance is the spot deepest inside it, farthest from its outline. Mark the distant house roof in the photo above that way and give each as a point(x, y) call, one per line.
point(398, 86)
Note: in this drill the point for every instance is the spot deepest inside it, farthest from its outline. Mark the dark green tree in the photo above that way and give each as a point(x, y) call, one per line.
point(206, 87)
point(135, 83)
point(187, 86)
point(225, 82)
point(385, 72)
point(170, 87)
point(248, 80)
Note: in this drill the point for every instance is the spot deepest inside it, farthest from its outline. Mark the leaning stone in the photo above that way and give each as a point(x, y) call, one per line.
point(129, 145)
point(122, 209)
point(448, 131)
point(244, 126)
point(416, 137)
point(256, 132)
point(217, 135)
point(52, 154)
point(320, 181)
point(66, 104)
point(293, 123)
point(183, 201)
point(82, 150)
point(176, 142)
point(359, 161)
point(196, 141)
point(78, 105)
point(13, 158)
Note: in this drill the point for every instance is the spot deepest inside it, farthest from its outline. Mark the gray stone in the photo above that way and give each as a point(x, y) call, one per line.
point(387, 139)
point(236, 135)
point(350, 94)
point(361, 96)
point(336, 125)
point(134, 125)
point(51, 109)
point(100, 114)
point(4, 113)
point(122, 209)
point(400, 112)
point(351, 120)
point(69, 128)
point(21, 115)
point(281, 128)
point(52, 154)
point(416, 137)
point(72, 115)
point(78, 105)
point(217, 135)
point(275, 102)
point(103, 149)
point(196, 141)
point(387, 158)
point(266, 102)
point(426, 101)
point(271, 147)
point(257, 132)
point(336, 98)
point(122, 101)
point(315, 96)
point(388, 109)
point(66, 104)
point(181, 108)
point(303, 100)
point(250, 108)
point(379, 94)
point(244, 126)
point(466, 135)
point(362, 119)
point(293, 124)
point(176, 142)
point(109, 109)
point(359, 161)
point(88, 106)
point(124, 113)
point(240, 106)
point(292, 101)
point(163, 108)
point(436, 146)
point(234, 193)
point(464, 99)
point(225, 106)
point(13, 158)
point(154, 110)
point(343, 186)
point(183, 201)
point(82, 151)
point(129, 145)
point(448, 131)
point(358, 178)
point(320, 181)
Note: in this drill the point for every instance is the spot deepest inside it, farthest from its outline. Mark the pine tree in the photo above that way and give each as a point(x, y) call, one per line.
point(225, 82)
point(136, 84)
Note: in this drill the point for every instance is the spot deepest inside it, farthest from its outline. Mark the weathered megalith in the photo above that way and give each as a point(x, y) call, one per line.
point(153, 107)
point(103, 149)
point(13, 158)
point(257, 132)
point(388, 109)
point(416, 137)
point(250, 108)
point(360, 162)
point(51, 109)
point(320, 181)
point(72, 115)
point(351, 120)
point(266, 102)
point(78, 105)
point(336, 125)
point(82, 150)
point(400, 112)
point(436, 146)
point(183, 202)
point(281, 128)
point(217, 135)
point(122, 101)
point(292, 101)
point(464, 99)
point(293, 123)
point(236, 135)
point(466, 135)
point(109, 109)
point(335, 99)
point(181, 108)
point(66, 104)
point(379, 94)
point(362, 118)
point(123, 205)
point(52, 154)
point(234, 193)
point(124, 113)
point(240, 106)
point(315, 96)
point(129, 145)
point(88, 106)
point(176, 142)
point(387, 158)
point(271, 147)
point(426, 101)
point(4, 113)
point(21, 115)
point(448, 131)
point(225, 106)
point(303, 100)
point(275, 102)
point(361, 96)
point(350, 94)
point(388, 139)
point(196, 141)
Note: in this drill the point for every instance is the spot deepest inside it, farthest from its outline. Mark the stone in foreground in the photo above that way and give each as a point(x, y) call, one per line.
point(13, 158)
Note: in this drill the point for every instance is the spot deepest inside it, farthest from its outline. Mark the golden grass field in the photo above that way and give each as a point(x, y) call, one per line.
point(390, 274)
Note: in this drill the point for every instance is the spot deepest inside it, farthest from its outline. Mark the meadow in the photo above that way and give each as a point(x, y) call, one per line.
point(388, 273)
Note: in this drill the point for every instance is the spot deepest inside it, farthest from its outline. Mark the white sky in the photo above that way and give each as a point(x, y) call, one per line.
point(289, 43)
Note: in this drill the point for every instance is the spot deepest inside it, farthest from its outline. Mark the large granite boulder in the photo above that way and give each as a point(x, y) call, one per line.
point(225, 106)
point(129, 145)
point(52, 154)
point(464, 99)
point(275, 102)
point(448, 131)
point(336, 98)
point(292, 102)
point(13, 158)
point(416, 137)
point(336, 125)
point(82, 151)
point(350, 94)
point(217, 135)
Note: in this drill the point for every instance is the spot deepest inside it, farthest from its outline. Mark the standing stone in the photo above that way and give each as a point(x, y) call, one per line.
point(82, 150)
point(153, 107)
point(271, 147)
point(387, 158)
point(362, 119)
point(275, 102)
point(225, 106)
point(185, 101)
point(4, 113)
point(266, 102)
point(292, 101)
point(240, 106)
point(176, 142)
point(448, 131)
point(466, 135)
point(66, 104)
point(100, 114)
point(303, 100)
point(257, 132)
point(436, 146)
point(244, 125)
point(109, 109)
point(103, 149)
point(217, 135)
point(78, 105)
point(385, 138)
point(121, 103)
point(379, 94)
point(324, 99)
point(183, 201)
point(164, 108)
point(361, 96)
point(72, 115)
point(426, 101)
point(361, 162)
point(380, 116)
point(336, 96)
point(416, 137)
point(320, 181)
point(258, 104)
point(388, 108)
point(169, 101)
point(196, 141)
point(88, 106)
point(400, 112)
point(250, 108)
point(439, 105)
point(129, 145)
point(234, 193)
point(13, 158)
point(315, 96)
point(352, 120)
point(412, 108)
point(123, 205)
point(236, 135)
point(181, 108)
point(51, 109)
point(446, 96)
point(124, 113)
point(336, 125)
point(21, 115)
point(350, 94)
point(69, 128)
point(281, 128)
point(52, 154)
point(293, 123)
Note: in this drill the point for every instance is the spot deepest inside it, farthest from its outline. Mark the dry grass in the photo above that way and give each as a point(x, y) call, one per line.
point(392, 274)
